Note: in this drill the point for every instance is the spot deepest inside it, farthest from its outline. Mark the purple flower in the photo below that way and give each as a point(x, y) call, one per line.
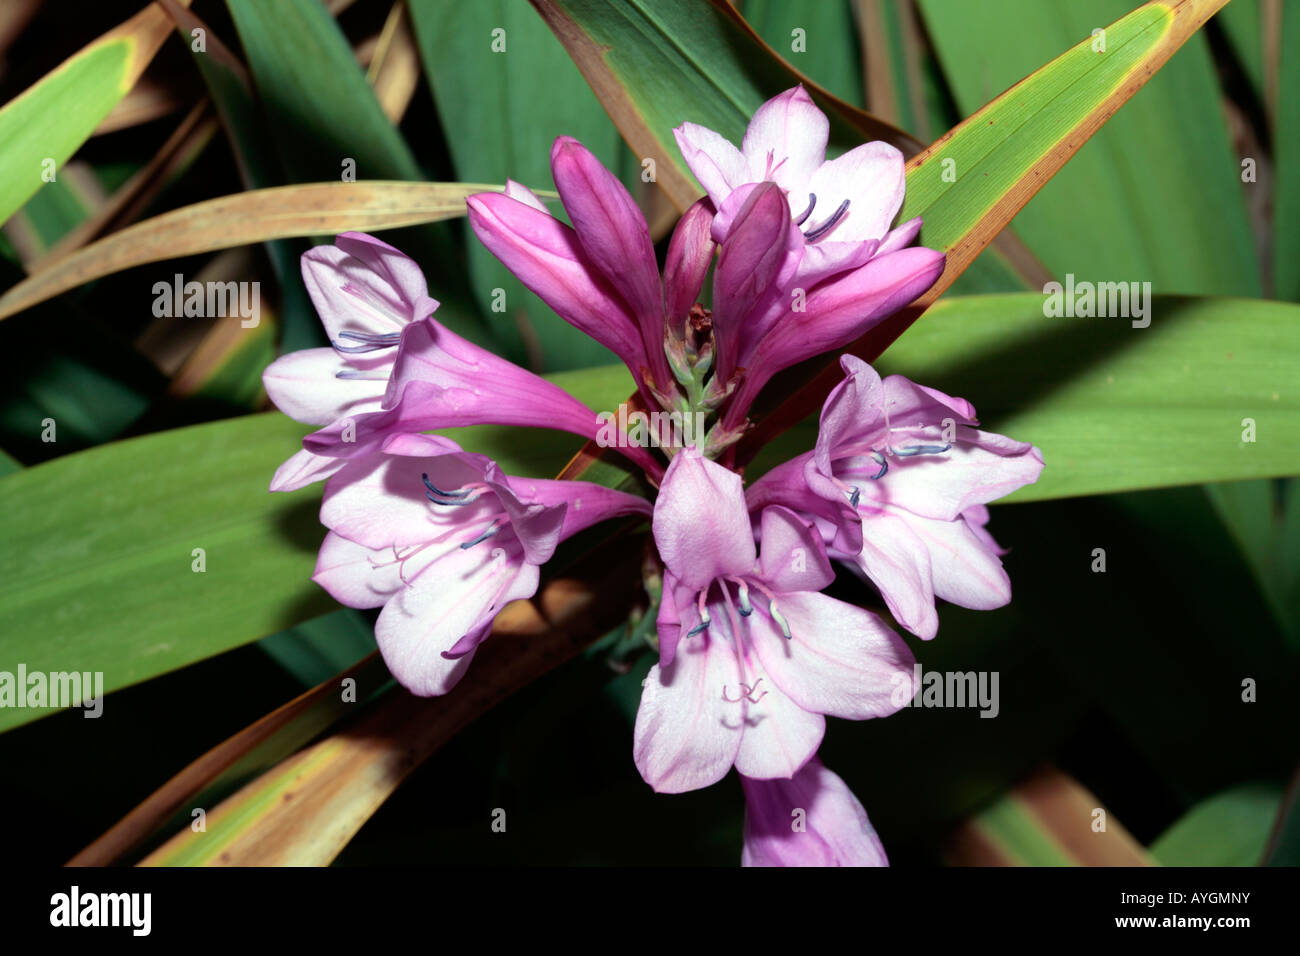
point(898, 484)
point(812, 819)
point(366, 293)
point(393, 369)
point(751, 656)
point(442, 540)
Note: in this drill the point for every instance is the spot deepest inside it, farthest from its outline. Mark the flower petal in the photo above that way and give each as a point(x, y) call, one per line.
point(454, 596)
point(793, 557)
point(714, 161)
point(870, 176)
point(701, 525)
point(786, 142)
point(354, 575)
point(361, 284)
point(306, 387)
point(547, 257)
point(302, 469)
point(811, 820)
point(690, 253)
point(686, 735)
point(840, 659)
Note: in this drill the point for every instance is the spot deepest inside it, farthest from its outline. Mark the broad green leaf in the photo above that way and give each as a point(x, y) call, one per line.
point(817, 37)
point(315, 650)
point(105, 581)
point(1256, 514)
point(46, 123)
point(1157, 194)
point(1113, 407)
point(499, 121)
point(320, 107)
point(1229, 829)
point(230, 88)
point(656, 63)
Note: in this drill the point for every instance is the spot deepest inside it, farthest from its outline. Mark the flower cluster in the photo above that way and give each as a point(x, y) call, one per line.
point(752, 655)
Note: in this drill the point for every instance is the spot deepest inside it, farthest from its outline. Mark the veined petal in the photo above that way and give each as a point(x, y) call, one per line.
point(792, 555)
point(687, 735)
point(900, 236)
point(898, 563)
point(302, 469)
point(714, 161)
point(964, 569)
point(780, 736)
point(485, 387)
point(761, 247)
point(362, 284)
point(852, 420)
point(701, 525)
point(354, 575)
point(839, 311)
point(456, 595)
point(840, 660)
point(812, 819)
point(870, 176)
point(786, 141)
point(306, 387)
point(979, 467)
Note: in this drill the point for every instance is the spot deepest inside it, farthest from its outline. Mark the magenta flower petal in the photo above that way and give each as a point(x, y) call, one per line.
point(812, 819)
point(690, 253)
point(839, 311)
point(793, 556)
point(615, 238)
point(302, 469)
point(701, 525)
point(547, 257)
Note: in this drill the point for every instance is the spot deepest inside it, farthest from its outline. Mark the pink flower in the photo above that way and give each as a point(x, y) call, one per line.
point(366, 293)
point(442, 540)
point(751, 656)
point(812, 819)
point(898, 483)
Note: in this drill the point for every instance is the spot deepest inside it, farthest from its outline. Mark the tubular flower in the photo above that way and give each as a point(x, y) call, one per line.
point(442, 540)
point(751, 656)
point(898, 482)
point(812, 819)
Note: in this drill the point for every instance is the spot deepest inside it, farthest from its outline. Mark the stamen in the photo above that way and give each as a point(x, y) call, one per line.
point(746, 608)
point(812, 201)
point(777, 618)
point(370, 341)
point(491, 531)
point(921, 450)
point(813, 235)
point(884, 465)
point(705, 620)
point(361, 375)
